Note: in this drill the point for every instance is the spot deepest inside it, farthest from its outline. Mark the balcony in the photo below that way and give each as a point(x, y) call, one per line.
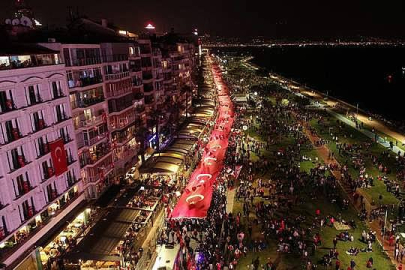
point(129, 152)
point(98, 176)
point(70, 160)
point(95, 140)
point(83, 61)
point(61, 117)
point(66, 138)
point(43, 150)
point(115, 58)
point(123, 122)
point(95, 157)
point(18, 163)
point(117, 76)
point(119, 92)
point(123, 137)
point(12, 135)
point(136, 81)
point(95, 120)
point(71, 180)
point(39, 125)
point(27, 61)
point(35, 99)
point(86, 102)
point(28, 213)
point(8, 250)
point(52, 194)
point(23, 189)
point(48, 173)
point(83, 82)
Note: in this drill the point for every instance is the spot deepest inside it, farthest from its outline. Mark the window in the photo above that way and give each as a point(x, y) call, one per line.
point(60, 113)
point(4, 62)
point(10, 131)
point(6, 101)
point(16, 158)
point(47, 171)
point(56, 89)
point(21, 185)
point(37, 121)
point(32, 94)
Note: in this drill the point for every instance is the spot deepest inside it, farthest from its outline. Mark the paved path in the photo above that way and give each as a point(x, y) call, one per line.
point(230, 198)
point(366, 132)
point(378, 125)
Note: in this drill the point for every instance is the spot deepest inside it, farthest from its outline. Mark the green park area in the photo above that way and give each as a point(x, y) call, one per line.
point(307, 200)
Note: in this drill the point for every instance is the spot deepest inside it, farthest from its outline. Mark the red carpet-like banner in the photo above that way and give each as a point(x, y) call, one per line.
point(196, 199)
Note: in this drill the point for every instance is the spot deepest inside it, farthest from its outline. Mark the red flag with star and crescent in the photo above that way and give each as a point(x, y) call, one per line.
point(58, 155)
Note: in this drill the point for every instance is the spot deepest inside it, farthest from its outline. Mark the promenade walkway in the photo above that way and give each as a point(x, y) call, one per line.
point(317, 99)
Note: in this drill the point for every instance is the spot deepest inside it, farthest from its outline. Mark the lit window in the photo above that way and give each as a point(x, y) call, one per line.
point(4, 61)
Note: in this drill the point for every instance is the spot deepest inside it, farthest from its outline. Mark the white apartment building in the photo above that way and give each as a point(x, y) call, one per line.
point(34, 113)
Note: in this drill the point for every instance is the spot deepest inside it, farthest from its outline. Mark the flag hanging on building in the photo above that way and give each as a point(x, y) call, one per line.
point(58, 155)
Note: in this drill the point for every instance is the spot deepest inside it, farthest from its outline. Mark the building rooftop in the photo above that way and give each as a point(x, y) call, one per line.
point(12, 49)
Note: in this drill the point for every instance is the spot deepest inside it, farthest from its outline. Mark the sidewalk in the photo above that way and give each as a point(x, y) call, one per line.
point(230, 197)
point(366, 132)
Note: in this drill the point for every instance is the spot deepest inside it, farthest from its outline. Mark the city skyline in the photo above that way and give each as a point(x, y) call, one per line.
point(289, 19)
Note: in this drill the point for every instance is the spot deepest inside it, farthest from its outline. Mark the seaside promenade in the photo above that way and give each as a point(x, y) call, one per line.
point(372, 128)
point(375, 129)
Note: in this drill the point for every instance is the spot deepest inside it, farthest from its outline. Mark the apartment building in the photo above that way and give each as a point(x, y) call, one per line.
point(178, 62)
point(39, 170)
point(125, 96)
point(104, 102)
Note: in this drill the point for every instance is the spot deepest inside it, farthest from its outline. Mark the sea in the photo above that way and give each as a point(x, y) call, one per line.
point(372, 77)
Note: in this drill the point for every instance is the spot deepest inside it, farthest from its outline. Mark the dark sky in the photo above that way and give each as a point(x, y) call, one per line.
point(281, 18)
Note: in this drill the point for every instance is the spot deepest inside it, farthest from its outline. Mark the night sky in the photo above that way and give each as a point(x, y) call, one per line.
point(282, 18)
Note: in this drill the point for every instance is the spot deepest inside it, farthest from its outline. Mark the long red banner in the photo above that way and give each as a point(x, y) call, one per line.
point(196, 199)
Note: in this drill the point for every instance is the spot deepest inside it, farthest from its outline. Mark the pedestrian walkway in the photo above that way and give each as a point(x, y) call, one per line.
point(376, 124)
point(230, 197)
point(366, 132)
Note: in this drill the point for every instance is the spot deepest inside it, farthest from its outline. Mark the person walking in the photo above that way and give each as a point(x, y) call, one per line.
point(352, 264)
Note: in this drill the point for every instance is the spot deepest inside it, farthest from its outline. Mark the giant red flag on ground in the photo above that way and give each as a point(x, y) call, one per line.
point(196, 199)
point(58, 155)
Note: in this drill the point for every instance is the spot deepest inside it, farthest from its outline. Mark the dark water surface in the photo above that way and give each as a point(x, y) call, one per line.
point(372, 77)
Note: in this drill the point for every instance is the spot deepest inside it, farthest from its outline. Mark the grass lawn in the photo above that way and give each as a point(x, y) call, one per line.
point(308, 207)
point(350, 135)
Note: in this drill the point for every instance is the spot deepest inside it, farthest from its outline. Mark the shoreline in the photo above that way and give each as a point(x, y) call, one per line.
point(368, 118)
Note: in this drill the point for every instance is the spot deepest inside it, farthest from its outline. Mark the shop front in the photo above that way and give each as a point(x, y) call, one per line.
point(50, 255)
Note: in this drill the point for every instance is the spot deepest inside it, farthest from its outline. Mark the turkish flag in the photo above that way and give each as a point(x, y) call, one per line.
point(58, 155)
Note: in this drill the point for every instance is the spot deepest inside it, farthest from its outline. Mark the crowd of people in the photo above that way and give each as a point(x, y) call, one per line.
point(269, 192)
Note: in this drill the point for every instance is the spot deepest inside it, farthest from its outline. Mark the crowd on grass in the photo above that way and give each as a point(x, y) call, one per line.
point(271, 190)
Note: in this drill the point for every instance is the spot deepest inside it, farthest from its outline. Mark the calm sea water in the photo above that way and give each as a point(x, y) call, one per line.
point(372, 77)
